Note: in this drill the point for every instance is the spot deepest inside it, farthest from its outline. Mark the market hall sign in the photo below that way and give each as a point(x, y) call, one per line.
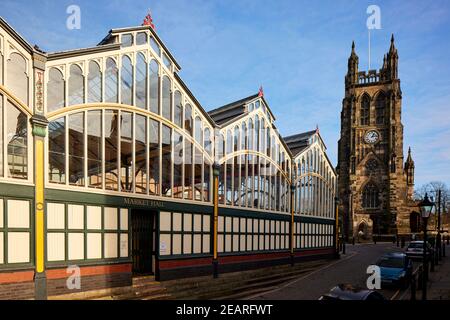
point(143, 202)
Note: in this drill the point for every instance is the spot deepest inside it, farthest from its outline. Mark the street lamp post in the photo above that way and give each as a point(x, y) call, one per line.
point(425, 209)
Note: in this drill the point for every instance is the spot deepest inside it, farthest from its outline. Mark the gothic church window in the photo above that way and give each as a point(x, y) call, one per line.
point(370, 196)
point(365, 111)
point(380, 109)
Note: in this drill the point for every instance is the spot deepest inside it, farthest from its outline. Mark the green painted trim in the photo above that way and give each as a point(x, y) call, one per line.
point(236, 212)
point(14, 190)
point(91, 198)
point(39, 131)
point(315, 220)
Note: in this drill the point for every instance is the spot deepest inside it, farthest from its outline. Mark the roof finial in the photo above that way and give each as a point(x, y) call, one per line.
point(148, 21)
point(392, 38)
point(353, 46)
point(261, 91)
point(317, 128)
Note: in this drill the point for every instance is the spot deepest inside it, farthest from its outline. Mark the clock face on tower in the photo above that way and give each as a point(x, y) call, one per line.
point(372, 137)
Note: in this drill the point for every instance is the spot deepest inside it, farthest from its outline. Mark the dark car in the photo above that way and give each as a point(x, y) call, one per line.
point(395, 268)
point(348, 292)
point(415, 250)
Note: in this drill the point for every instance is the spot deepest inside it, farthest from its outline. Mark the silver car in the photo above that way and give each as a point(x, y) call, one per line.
point(415, 250)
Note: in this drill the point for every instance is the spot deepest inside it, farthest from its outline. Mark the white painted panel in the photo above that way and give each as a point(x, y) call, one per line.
point(75, 217)
point(164, 244)
point(187, 247)
point(235, 242)
point(176, 244)
point(111, 217)
point(206, 223)
point(249, 225)
point(249, 242)
point(124, 219)
point(76, 246)
point(227, 243)
point(176, 221)
point(164, 221)
point(197, 243)
point(55, 216)
point(18, 214)
point(2, 254)
point(56, 247)
point(255, 225)
point(255, 242)
point(206, 243)
point(187, 222)
point(261, 242)
point(220, 224)
point(124, 245)
point(1, 214)
point(266, 242)
point(18, 247)
point(277, 226)
point(267, 227)
point(235, 225)
point(272, 226)
point(110, 245)
point(243, 225)
point(282, 227)
point(242, 243)
point(220, 243)
point(228, 224)
point(198, 222)
point(94, 218)
point(94, 245)
point(302, 241)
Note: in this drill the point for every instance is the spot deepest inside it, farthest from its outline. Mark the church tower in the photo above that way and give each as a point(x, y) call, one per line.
point(372, 186)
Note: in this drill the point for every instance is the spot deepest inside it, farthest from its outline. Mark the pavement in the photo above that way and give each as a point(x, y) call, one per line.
point(350, 268)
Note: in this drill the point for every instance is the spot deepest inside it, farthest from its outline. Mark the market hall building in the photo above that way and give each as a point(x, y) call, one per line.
point(110, 164)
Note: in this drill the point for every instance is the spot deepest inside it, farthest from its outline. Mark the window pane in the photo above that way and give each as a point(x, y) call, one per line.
point(178, 165)
point(198, 174)
point(188, 119)
point(166, 148)
point(166, 101)
point(188, 194)
point(178, 112)
point(55, 90)
point(17, 77)
point(17, 137)
point(111, 81)
point(94, 152)
point(166, 61)
point(141, 38)
point(111, 172)
point(141, 154)
point(76, 149)
point(208, 144)
point(199, 130)
point(141, 82)
point(127, 40)
point(76, 85)
point(94, 83)
point(57, 152)
point(155, 46)
point(126, 81)
point(154, 157)
point(207, 180)
point(126, 151)
point(154, 87)
point(1, 135)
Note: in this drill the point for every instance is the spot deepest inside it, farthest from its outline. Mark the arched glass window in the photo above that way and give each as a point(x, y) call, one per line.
point(94, 83)
point(126, 89)
point(370, 196)
point(17, 139)
point(236, 139)
point(208, 144)
point(199, 130)
point(141, 82)
point(76, 85)
point(55, 90)
point(178, 109)
point(268, 141)
point(244, 140)
point(57, 151)
point(166, 101)
point(250, 134)
point(380, 108)
point(257, 134)
point(365, 111)
point(188, 119)
point(17, 79)
point(76, 149)
point(111, 81)
point(154, 87)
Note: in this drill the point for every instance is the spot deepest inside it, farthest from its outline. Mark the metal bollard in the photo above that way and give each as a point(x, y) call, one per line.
point(420, 278)
point(413, 287)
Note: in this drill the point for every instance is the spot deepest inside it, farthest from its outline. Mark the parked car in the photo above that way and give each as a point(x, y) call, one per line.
point(348, 292)
point(415, 250)
point(396, 269)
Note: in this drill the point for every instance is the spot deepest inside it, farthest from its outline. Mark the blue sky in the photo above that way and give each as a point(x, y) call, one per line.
point(297, 50)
